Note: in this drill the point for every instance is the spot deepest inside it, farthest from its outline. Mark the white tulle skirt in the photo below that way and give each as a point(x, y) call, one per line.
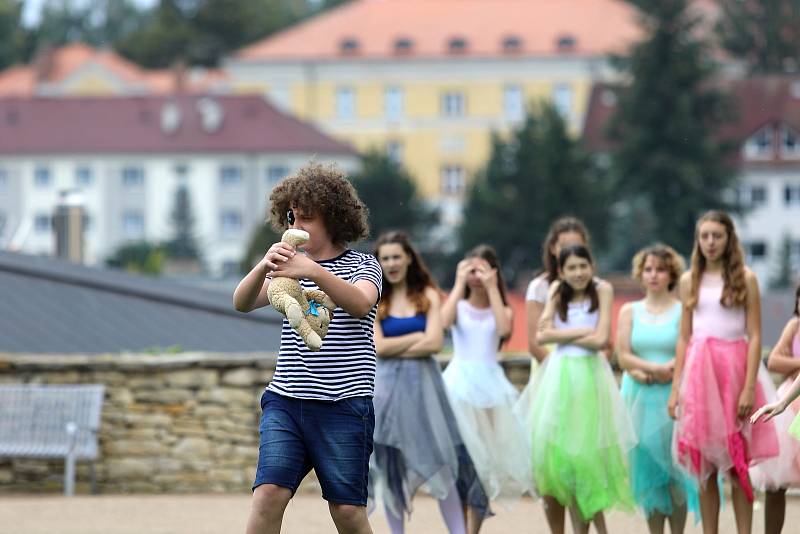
point(483, 401)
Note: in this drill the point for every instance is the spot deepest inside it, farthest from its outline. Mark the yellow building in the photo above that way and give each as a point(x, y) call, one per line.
point(427, 81)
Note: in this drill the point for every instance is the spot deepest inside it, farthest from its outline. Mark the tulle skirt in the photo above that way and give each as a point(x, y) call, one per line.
point(783, 470)
point(580, 434)
point(483, 401)
point(709, 436)
point(658, 484)
point(416, 441)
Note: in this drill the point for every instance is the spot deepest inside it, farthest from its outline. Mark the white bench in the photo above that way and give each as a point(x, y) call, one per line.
point(58, 421)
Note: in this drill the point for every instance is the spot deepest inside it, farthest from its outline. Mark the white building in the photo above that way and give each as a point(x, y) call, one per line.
point(128, 155)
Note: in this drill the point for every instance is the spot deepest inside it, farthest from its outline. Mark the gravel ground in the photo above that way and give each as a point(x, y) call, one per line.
point(307, 514)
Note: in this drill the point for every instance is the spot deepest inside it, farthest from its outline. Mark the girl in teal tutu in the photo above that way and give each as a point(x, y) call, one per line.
point(647, 332)
point(581, 432)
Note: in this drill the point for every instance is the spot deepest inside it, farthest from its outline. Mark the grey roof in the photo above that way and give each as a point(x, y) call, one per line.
point(54, 306)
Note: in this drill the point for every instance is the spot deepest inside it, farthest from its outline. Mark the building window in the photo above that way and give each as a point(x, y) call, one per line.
point(231, 223)
point(457, 45)
point(230, 175)
point(132, 177)
point(394, 151)
point(393, 103)
point(755, 251)
point(133, 225)
point(276, 173)
point(452, 180)
point(790, 143)
point(403, 45)
point(453, 104)
point(345, 103)
point(791, 195)
point(513, 103)
point(42, 176)
point(88, 222)
point(349, 46)
point(231, 268)
point(512, 44)
point(42, 224)
point(3, 220)
point(83, 176)
point(759, 145)
point(562, 100)
point(752, 196)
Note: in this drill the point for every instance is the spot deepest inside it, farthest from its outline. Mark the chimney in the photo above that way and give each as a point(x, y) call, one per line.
point(68, 223)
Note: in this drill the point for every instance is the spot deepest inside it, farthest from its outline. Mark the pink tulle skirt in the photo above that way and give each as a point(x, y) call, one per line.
point(709, 436)
point(783, 470)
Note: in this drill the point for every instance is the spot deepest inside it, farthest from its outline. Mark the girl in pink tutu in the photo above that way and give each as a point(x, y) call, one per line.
point(776, 474)
point(716, 363)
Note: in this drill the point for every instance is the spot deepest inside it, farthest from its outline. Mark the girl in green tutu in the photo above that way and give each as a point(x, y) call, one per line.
point(580, 429)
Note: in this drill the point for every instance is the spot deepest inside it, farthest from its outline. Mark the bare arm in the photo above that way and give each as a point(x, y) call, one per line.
point(548, 333)
point(456, 294)
point(394, 346)
point(433, 337)
point(781, 359)
point(753, 317)
point(251, 293)
point(599, 338)
point(535, 310)
point(683, 341)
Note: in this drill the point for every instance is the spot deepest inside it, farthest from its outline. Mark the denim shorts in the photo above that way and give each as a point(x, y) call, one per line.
point(332, 437)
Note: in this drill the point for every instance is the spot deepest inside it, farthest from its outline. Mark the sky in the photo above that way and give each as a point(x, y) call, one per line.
point(32, 8)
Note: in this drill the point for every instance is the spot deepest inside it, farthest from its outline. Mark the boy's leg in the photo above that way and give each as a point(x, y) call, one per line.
point(282, 462)
point(338, 437)
point(267, 508)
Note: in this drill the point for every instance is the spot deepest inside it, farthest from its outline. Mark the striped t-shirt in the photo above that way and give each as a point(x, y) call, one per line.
point(345, 365)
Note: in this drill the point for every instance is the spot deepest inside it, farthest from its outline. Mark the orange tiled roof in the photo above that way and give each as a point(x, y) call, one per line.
point(373, 28)
point(57, 65)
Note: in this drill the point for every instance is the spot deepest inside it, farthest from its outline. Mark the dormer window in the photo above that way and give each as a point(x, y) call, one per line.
point(790, 143)
point(457, 45)
point(403, 45)
point(512, 44)
point(760, 144)
point(349, 46)
point(566, 43)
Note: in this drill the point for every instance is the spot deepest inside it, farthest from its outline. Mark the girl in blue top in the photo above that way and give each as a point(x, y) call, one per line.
point(646, 338)
point(416, 439)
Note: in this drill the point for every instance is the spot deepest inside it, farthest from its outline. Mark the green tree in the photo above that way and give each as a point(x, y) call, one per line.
point(183, 245)
point(537, 175)
point(263, 237)
point(391, 196)
point(12, 36)
point(140, 257)
point(783, 274)
point(669, 162)
point(763, 33)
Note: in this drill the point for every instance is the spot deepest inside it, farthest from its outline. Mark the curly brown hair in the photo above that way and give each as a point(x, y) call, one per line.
point(321, 190)
point(672, 261)
point(418, 278)
point(734, 292)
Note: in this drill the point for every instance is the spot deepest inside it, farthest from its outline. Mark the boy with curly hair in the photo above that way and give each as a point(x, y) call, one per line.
point(317, 410)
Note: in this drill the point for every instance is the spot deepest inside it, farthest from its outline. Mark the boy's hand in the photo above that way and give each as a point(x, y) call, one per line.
point(277, 253)
point(297, 266)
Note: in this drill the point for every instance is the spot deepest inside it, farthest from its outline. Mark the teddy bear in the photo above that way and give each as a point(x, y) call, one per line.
point(309, 311)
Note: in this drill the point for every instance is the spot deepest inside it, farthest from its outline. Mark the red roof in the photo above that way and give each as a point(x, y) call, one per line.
point(765, 100)
point(134, 125)
point(373, 28)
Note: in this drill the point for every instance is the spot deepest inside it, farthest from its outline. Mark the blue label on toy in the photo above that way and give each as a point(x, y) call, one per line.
point(312, 310)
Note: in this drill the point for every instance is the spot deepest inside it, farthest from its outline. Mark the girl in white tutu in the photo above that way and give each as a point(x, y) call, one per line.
point(416, 442)
point(481, 396)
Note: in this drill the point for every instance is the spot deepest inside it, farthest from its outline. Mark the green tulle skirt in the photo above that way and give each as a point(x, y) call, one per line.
point(581, 434)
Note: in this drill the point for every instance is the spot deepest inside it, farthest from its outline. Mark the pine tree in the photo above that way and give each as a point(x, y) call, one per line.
point(669, 160)
point(783, 275)
point(763, 33)
point(537, 175)
point(182, 246)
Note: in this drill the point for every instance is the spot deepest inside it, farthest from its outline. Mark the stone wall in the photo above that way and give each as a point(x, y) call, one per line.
point(171, 423)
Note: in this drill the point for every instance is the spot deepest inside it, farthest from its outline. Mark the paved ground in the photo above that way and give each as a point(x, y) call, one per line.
point(307, 514)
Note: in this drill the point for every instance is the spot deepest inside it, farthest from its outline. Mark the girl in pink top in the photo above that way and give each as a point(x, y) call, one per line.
point(716, 363)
